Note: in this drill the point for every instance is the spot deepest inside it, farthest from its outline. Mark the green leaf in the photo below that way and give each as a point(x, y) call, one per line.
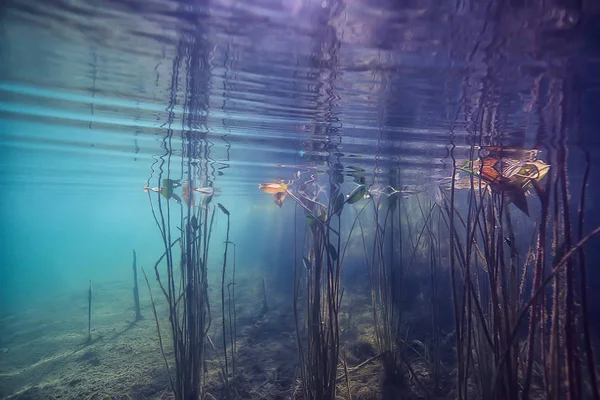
point(311, 221)
point(357, 194)
point(167, 187)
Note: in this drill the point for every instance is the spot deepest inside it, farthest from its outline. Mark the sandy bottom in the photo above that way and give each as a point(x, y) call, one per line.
point(45, 352)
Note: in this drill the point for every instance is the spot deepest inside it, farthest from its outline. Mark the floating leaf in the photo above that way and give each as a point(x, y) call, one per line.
point(273, 187)
point(357, 194)
point(223, 209)
point(209, 190)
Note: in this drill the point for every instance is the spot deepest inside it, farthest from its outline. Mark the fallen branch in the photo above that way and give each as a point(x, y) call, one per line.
point(359, 366)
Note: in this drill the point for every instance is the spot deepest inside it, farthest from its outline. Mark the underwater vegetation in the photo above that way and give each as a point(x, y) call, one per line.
point(473, 286)
point(185, 286)
point(518, 331)
point(469, 280)
point(515, 325)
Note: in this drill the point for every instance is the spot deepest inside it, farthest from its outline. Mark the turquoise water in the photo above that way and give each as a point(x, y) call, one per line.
point(381, 102)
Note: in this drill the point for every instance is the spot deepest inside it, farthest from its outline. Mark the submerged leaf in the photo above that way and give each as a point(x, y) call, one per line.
point(322, 213)
point(517, 196)
point(357, 194)
point(332, 251)
point(166, 190)
point(176, 198)
point(338, 204)
point(194, 223)
point(206, 200)
point(392, 203)
point(223, 209)
point(311, 222)
point(279, 198)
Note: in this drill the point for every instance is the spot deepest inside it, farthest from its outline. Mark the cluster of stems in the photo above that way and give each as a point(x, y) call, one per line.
point(497, 286)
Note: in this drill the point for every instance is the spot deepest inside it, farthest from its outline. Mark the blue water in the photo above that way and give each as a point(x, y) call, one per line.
point(376, 92)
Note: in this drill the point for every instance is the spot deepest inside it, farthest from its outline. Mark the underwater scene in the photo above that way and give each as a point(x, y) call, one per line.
point(299, 199)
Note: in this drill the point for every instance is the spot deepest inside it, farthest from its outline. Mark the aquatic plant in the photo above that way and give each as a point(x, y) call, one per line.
point(224, 323)
point(318, 333)
point(186, 294)
point(389, 271)
point(492, 295)
point(136, 292)
point(323, 298)
point(232, 314)
point(433, 350)
point(387, 277)
point(188, 220)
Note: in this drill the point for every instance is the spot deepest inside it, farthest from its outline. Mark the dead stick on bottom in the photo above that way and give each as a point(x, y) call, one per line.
point(265, 308)
point(359, 366)
point(347, 380)
point(90, 312)
point(217, 353)
point(136, 292)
